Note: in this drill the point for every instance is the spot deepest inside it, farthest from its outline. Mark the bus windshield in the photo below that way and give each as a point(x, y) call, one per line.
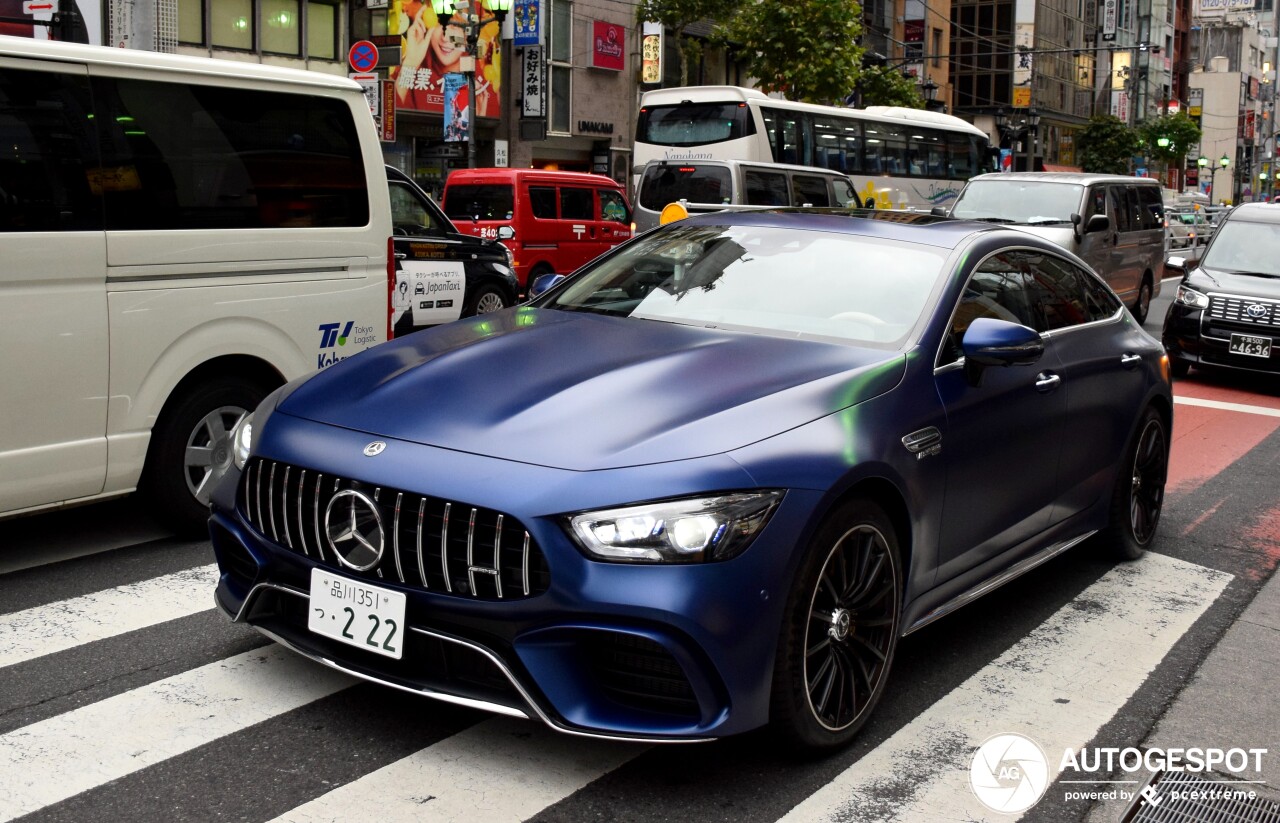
point(693, 124)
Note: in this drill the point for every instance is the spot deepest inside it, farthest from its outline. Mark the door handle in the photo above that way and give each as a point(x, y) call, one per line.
point(1130, 360)
point(1047, 381)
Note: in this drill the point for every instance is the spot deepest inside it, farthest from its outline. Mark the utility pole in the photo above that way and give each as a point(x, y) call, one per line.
point(66, 25)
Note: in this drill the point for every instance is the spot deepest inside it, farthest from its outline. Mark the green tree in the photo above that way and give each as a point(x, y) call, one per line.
point(678, 15)
point(1106, 145)
point(887, 86)
point(805, 49)
point(1179, 131)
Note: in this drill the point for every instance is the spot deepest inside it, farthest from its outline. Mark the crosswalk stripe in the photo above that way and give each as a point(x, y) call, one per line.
point(1057, 686)
point(65, 624)
point(499, 770)
point(73, 752)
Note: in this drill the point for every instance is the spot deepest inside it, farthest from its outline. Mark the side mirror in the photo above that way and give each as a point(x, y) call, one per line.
point(1097, 222)
point(939, 211)
point(990, 342)
point(544, 283)
point(506, 233)
point(1176, 263)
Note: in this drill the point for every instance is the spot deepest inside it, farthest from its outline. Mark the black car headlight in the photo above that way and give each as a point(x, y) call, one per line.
point(1192, 298)
point(690, 530)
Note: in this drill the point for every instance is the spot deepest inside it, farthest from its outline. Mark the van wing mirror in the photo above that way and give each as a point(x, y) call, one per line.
point(1097, 222)
point(506, 233)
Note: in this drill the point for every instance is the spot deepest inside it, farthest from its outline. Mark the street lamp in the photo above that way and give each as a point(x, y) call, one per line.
point(1027, 127)
point(1224, 162)
point(930, 91)
point(444, 10)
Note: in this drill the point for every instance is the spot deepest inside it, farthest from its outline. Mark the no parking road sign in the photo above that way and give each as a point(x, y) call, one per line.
point(363, 56)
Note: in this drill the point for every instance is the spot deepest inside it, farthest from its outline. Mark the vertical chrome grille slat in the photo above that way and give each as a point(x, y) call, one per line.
point(302, 532)
point(497, 555)
point(271, 501)
point(422, 566)
point(284, 506)
point(444, 549)
point(525, 564)
point(395, 538)
point(471, 540)
point(316, 517)
point(292, 497)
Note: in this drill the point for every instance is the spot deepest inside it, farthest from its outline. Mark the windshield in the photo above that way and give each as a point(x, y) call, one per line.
point(785, 281)
point(1018, 201)
point(1242, 246)
point(698, 184)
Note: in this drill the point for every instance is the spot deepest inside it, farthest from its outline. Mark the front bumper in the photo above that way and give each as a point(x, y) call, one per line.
point(635, 652)
point(1193, 336)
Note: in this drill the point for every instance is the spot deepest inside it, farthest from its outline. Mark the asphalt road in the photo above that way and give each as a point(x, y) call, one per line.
point(124, 695)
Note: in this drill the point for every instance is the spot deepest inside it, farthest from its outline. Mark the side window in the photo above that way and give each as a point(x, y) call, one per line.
point(1151, 207)
point(810, 190)
point(192, 156)
point(613, 207)
point(765, 188)
point(50, 177)
point(576, 204)
point(1056, 293)
point(1096, 202)
point(1100, 301)
point(543, 201)
point(1121, 213)
point(409, 215)
point(997, 289)
point(837, 143)
point(845, 195)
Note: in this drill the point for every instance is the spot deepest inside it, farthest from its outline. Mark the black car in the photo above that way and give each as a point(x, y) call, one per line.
point(441, 273)
point(1227, 310)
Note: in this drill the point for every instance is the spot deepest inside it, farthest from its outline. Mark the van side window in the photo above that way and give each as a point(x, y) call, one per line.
point(765, 188)
point(1121, 209)
point(543, 201)
point(613, 207)
point(576, 204)
point(811, 190)
point(204, 157)
point(481, 202)
point(1150, 207)
point(1096, 202)
point(49, 168)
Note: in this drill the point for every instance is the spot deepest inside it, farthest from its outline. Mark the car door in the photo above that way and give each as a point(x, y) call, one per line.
point(432, 262)
point(53, 298)
point(1099, 361)
point(1004, 435)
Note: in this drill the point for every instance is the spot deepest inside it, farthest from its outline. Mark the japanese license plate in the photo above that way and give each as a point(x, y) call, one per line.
point(1250, 345)
point(356, 613)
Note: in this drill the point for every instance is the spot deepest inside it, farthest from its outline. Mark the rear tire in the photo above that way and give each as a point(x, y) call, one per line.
point(191, 449)
point(1138, 496)
point(1143, 306)
point(839, 631)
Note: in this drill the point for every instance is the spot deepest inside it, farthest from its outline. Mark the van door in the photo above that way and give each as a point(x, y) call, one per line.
point(53, 303)
point(578, 227)
point(1126, 238)
point(614, 218)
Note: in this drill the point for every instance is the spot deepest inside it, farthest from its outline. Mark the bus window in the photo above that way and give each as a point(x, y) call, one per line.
point(928, 153)
point(786, 136)
point(837, 144)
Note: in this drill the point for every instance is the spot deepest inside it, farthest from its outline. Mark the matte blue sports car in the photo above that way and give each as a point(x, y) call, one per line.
point(705, 483)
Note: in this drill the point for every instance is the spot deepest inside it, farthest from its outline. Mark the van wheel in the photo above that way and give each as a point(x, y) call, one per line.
point(191, 450)
point(1143, 305)
point(485, 300)
point(839, 631)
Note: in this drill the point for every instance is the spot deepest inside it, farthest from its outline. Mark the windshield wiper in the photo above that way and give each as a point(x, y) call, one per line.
point(991, 219)
point(1048, 221)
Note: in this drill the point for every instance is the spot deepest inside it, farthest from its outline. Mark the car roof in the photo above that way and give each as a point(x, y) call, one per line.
point(1256, 213)
point(891, 224)
point(1072, 177)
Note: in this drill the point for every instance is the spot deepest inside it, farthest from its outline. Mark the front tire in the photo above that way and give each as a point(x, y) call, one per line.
point(486, 299)
point(1138, 496)
point(191, 449)
point(840, 630)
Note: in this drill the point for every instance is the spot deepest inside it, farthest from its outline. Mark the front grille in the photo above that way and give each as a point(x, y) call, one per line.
point(443, 546)
point(1231, 308)
point(640, 673)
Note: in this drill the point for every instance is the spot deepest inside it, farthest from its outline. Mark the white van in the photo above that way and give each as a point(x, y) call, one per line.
point(180, 236)
point(709, 184)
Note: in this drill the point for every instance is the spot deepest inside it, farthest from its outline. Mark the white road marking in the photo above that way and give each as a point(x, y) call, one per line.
point(82, 749)
point(65, 624)
point(497, 771)
point(1057, 686)
point(1218, 404)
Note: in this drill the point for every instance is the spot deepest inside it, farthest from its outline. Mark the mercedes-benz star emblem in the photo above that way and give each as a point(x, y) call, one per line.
point(375, 448)
point(1256, 310)
point(353, 527)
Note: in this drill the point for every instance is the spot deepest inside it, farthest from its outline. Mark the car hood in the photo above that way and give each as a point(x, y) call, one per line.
point(585, 392)
point(1252, 285)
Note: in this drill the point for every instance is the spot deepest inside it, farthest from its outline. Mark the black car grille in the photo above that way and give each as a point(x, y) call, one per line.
point(443, 546)
point(1247, 311)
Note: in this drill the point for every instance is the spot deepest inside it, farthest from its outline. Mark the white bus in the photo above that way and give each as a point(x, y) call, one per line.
point(896, 157)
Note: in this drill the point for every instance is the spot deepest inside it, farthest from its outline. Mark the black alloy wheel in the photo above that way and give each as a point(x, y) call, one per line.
point(841, 630)
point(1138, 497)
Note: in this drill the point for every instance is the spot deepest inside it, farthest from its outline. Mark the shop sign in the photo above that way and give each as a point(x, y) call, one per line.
point(532, 84)
point(913, 31)
point(388, 111)
point(651, 54)
point(528, 28)
point(1110, 11)
point(608, 46)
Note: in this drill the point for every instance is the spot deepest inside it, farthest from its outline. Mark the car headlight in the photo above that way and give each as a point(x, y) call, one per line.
point(1192, 298)
point(690, 530)
point(242, 440)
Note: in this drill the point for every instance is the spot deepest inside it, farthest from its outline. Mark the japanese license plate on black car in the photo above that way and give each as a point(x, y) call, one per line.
point(356, 613)
point(1251, 345)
